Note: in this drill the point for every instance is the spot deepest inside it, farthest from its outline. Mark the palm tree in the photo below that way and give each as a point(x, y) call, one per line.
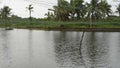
point(105, 8)
point(118, 10)
point(79, 7)
point(5, 12)
point(92, 9)
point(30, 9)
point(72, 9)
point(49, 15)
point(95, 9)
point(61, 11)
point(0, 14)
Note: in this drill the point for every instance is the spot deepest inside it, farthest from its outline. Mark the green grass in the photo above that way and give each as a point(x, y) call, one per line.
point(36, 23)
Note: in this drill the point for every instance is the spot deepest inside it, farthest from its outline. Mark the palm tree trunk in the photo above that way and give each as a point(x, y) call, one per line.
point(72, 16)
point(30, 14)
point(78, 15)
point(90, 21)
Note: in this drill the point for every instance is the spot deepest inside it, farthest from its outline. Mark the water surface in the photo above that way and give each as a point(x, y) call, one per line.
point(20, 48)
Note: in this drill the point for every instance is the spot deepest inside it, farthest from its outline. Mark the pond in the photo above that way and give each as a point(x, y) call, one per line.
point(22, 48)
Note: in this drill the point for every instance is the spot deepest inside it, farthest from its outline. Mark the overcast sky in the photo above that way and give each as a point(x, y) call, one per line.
point(40, 6)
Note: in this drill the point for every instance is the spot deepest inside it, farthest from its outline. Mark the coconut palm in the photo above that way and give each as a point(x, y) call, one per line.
point(30, 9)
point(49, 15)
point(61, 11)
point(79, 7)
point(95, 12)
point(98, 9)
point(92, 9)
point(105, 8)
point(72, 9)
point(118, 10)
point(0, 14)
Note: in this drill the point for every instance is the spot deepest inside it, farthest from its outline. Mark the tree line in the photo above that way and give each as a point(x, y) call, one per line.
point(78, 9)
point(6, 13)
point(73, 10)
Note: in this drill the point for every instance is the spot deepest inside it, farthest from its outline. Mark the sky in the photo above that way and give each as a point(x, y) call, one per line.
point(40, 6)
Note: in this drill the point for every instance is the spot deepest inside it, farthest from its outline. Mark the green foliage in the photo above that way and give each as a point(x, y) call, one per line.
point(118, 10)
point(5, 12)
point(105, 9)
point(61, 11)
point(78, 9)
point(111, 22)
point(74, 14)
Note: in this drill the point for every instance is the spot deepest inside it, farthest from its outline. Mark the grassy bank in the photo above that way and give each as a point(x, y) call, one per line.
point(42, 24)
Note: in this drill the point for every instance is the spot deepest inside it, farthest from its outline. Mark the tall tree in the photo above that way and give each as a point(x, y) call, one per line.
point(61, 11)
point(118, 10)
point(79, 7)
point(72, 9)
point(105, 8)
point(0, 15)
point(49, 15)
point(5, 12)
point(98, 9)
point(30, 9)
point(95, 12)
point(92, 9)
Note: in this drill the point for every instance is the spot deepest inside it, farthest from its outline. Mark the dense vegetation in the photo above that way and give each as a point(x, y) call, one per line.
point(73, 14)
point(79, 10)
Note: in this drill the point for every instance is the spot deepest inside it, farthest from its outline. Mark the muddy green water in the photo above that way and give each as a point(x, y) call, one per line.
point(21, 48)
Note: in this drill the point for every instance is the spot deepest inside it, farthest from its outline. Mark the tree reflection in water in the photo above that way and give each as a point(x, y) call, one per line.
point(96, 50)
point(67, 50)
point(71, 53)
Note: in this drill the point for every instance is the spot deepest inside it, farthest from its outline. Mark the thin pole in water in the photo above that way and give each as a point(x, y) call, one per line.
point(80, 49)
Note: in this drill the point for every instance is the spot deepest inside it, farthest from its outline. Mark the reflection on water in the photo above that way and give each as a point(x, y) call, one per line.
point(58, 49)
point(69, 56)
point(96, 49)
point(67, 49)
